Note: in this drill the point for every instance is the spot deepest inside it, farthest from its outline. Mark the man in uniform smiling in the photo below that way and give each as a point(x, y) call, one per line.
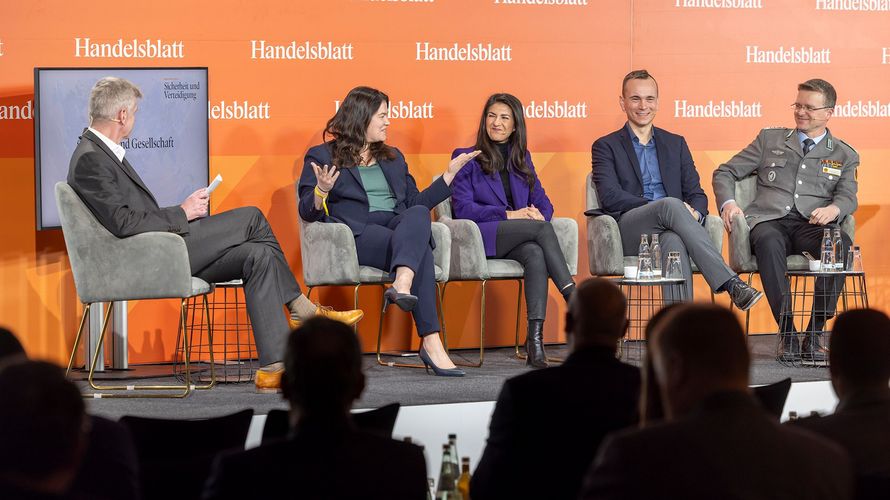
point(806, 182)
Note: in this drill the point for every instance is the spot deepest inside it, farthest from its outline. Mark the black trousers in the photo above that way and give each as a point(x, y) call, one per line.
point(239, 244)
point(390, 241)
point(533, 244)
point(773, 241)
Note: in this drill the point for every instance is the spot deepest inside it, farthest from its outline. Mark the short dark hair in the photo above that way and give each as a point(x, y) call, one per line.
point(42, 420)
point(708, 338)
point(598, 312)
point(860, 347)
point(637, 74)
point(822, 87)
point(9, 344)
point(322, 367)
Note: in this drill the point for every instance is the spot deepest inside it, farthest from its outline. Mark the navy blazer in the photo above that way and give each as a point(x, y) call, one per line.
point(348, 201)
point(619, 180)
point(481, 198)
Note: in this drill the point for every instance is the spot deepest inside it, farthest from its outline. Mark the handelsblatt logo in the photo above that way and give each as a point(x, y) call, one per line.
point(557, 3)
point(719, 4)
point(720, 109)
point(404, 109)
point(1, 48)
point(862, 109)
point(551, 109)
point(301, 51)
point(885, 55)
point(854, 5)
point(402, 1)
point(472, 52)
point(129, 49)
point(238, 110)
point(755, 54)
point(17, 111)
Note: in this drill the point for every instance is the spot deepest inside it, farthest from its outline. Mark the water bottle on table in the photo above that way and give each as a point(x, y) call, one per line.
point(644, 268)
point(827, 252)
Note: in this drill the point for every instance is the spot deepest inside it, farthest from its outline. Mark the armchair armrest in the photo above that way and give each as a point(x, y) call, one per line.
point(567, 233)
point(468, 261)
point(741, 260)
point(328, 253)
point(714, 227)
point(442, 252)
point(150, 265)
point(604, 250)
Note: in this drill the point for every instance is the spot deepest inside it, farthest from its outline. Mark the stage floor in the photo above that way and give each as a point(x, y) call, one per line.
point(410, 387)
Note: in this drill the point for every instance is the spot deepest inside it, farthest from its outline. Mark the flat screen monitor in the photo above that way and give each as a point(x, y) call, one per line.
point(168, 147)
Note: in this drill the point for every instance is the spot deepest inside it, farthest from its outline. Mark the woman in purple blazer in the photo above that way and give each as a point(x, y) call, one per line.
point(500, 191)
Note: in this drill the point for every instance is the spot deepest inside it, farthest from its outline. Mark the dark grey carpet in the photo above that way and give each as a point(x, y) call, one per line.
point(411, 386)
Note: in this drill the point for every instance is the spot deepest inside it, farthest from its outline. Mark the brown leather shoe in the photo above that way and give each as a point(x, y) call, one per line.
point(269, 381)
point(349, 317)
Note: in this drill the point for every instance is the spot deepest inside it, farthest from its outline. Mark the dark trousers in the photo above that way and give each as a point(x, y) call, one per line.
point(772, 242)
point(239, 244)
point(533, 244)
point(390, 241)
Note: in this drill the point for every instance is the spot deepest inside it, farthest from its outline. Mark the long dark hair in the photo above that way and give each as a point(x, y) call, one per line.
point(490, 160)
point(350, 125)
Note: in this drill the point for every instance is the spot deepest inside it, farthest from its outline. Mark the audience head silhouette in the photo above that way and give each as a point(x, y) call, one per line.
point(42, 419)
point(322, 369)
point(10, 347)
point(651, 407)
point(860, 351)
point(596, 315)
point(698, 350)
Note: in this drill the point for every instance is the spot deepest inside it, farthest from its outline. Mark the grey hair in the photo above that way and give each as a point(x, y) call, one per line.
point(110, 95)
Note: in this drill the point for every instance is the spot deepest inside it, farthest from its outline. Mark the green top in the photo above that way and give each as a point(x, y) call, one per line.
point(380, 197)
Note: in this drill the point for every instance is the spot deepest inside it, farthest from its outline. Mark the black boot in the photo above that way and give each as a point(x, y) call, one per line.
point(534, 344)
point(568, 291)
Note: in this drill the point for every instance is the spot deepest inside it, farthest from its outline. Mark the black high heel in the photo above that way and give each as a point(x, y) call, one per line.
point(440, 372)
point(405, 301)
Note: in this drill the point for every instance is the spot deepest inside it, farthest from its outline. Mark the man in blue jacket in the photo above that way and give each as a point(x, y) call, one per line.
point(645, 178)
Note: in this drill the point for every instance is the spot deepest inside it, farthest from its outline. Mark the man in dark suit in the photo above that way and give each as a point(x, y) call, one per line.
point(238, 244)
point(717, 442)
point(860, 370)
point(325, 456)
point(645, 178)
point(548, 424)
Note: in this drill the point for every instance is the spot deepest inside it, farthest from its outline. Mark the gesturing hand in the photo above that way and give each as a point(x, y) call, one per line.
point(325, 176)
point(196, 204)
point(730, 210)
point(456, 164)
point(535, 213)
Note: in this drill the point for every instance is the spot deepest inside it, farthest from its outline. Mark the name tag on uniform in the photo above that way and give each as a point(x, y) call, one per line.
point(831, 171)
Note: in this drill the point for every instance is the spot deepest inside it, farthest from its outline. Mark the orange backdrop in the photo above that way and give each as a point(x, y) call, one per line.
point(573, 52)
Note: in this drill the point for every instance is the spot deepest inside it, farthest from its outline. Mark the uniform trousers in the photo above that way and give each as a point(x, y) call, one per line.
point(389, 241)
point(772, 242)
point(533, 244)
point(239, 244)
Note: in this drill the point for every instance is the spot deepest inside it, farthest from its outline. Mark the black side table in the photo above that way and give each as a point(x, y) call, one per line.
point(644, 299)
point(807, 312)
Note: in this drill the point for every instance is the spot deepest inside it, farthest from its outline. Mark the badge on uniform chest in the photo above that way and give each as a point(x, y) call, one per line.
point(771, 176)
point(831, 167)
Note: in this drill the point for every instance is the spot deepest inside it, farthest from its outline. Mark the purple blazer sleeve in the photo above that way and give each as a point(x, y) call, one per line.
point(538, 197)
point(463, 195)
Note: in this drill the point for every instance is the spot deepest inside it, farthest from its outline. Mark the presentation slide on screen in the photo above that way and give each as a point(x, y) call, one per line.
point(168, 146)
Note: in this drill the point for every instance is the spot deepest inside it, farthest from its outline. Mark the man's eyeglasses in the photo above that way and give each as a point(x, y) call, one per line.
point(807, 107)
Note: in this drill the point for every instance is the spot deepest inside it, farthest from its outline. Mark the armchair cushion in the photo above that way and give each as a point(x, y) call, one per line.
point(329, 254)
point(604, 250)
point(567, 233)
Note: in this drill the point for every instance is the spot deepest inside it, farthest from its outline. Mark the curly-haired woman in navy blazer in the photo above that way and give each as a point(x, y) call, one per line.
point(500, 191)
point(358, 180)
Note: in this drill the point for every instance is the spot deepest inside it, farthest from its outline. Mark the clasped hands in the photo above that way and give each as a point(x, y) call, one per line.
point(529, 212)
point(820, 216)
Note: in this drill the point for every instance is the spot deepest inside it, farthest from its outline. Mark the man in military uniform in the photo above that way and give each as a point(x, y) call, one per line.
point(806, 182)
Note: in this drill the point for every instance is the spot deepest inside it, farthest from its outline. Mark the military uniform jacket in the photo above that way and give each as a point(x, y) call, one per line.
point(786, 178)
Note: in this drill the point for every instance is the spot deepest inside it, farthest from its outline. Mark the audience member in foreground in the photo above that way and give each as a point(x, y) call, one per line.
point(716, 441)
point(548, 424)
point(108, 468)
point(860, 370)
point(325, 456)
point(43, 431)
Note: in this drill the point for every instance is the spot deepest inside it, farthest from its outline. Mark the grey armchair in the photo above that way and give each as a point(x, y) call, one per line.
point(469, 263)
point(604, 250)
point(151, 265)
point(741, 259)
point(330, 259)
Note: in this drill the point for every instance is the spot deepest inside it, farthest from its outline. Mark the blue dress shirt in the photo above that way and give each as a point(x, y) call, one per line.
point(653, 189)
